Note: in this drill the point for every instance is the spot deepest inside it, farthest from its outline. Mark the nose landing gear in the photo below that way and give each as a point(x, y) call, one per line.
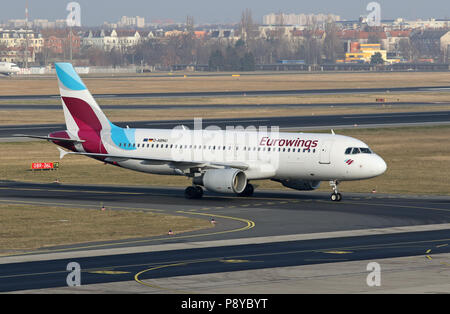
point(336, 196)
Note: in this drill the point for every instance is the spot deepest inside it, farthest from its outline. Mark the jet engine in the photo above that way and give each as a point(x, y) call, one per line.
point(300, 185)
point(223, 180)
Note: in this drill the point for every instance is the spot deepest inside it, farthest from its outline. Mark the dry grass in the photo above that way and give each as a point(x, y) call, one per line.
point(16, 159)
point(438, 97)
point(417, 161)
point(288, 99)
point(280, 81)
point(142, 84)
point(20, 117)
point(27, 227)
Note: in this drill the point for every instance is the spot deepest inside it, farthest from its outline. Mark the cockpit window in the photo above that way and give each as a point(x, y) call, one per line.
point(358, 150)
point(366, 150)
point(355, 151)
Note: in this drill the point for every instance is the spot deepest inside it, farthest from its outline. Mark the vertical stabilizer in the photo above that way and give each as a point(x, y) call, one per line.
point(83, 116)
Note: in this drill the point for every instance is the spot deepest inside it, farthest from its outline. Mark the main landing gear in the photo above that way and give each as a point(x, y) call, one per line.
point(248, 191)
point(193, 192)
point(196, 191)
point(336, 196)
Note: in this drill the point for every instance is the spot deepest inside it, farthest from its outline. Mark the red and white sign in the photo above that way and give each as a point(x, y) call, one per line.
point(42, 165)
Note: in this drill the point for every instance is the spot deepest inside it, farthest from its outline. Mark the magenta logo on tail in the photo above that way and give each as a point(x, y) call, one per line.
point(88, 123)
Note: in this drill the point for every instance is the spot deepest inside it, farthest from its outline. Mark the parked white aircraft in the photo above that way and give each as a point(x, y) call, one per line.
point(8, 68)
point(223, 161)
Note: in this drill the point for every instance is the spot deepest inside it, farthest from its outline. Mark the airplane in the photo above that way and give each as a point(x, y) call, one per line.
point(223, 161)
point(8, 68)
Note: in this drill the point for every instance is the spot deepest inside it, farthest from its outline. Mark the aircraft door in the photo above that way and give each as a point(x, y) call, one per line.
point(325, 152)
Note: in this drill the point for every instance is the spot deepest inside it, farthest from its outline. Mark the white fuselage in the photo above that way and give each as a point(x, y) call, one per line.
point(282, 156)
point(8, 68)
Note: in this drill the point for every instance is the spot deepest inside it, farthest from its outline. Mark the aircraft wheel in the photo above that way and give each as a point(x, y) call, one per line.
point(248, 191)
point(193, 192)
point(336, 197)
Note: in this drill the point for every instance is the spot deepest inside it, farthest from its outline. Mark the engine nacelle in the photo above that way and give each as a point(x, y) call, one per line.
point(300, 185)
point(223, 180)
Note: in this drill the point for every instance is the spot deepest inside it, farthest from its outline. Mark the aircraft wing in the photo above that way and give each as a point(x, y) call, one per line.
point(178, 164)
point(48, 138)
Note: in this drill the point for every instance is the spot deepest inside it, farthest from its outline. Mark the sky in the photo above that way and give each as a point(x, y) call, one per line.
point(95, 12)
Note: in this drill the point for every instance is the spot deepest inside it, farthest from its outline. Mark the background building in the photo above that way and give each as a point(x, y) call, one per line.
point(297, 19)
point(129, 22)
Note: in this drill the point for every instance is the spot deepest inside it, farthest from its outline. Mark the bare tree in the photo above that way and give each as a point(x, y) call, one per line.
point(406, 49)
point(190, 24)
point(312, 44)
point(247, 27)
point(331, 45)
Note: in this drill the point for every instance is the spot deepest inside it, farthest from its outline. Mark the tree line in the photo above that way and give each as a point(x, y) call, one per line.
point(317, 44)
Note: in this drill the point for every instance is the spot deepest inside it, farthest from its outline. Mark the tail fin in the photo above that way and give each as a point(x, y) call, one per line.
point(81, 111)
point(84, 118)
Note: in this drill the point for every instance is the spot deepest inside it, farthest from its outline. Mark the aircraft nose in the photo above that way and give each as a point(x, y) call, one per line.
point(381, 166)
